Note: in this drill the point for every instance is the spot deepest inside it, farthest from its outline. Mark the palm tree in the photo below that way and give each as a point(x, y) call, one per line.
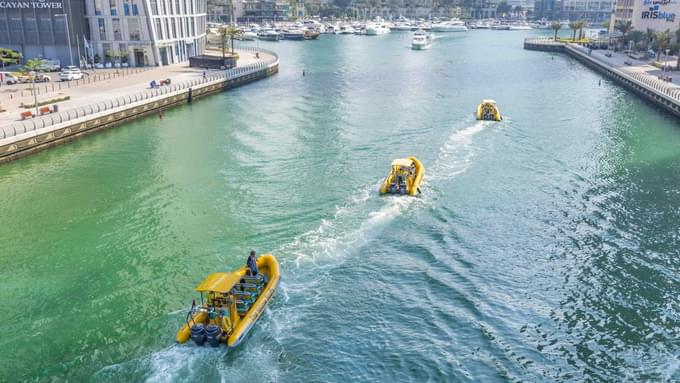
point(233, 32)
point(32, 65)
point(624, 26)
point(650, 36)
point(223, 32)
point(581, 24)
point(555, 26)
point(574, 26)
point(663, 40)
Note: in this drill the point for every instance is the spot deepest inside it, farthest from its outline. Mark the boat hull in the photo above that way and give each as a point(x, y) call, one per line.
point(414, 188)
point(488, 112)
point(268, 266)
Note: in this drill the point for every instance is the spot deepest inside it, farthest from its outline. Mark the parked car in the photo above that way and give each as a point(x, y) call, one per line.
point(70, 73)
point(8, 78)
point(49, 65)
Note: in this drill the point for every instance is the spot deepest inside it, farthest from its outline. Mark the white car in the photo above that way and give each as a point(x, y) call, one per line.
point(70, 73)
point(8, 78)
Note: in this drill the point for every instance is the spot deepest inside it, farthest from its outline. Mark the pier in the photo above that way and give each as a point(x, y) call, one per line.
point(635, 78)
point(21, 138)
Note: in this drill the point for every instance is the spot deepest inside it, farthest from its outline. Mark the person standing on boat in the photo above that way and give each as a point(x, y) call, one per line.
point(252, 263)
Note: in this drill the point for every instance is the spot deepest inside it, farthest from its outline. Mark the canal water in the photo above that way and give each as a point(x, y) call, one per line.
point(545, 248)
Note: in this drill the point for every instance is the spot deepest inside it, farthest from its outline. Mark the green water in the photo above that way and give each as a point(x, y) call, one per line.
point(544, 248)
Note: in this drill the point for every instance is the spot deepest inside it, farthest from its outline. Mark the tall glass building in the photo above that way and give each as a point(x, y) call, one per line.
point(146, 32)
point(37, 28)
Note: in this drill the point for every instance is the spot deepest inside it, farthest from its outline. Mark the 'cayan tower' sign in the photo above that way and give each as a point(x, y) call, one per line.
point(34, 4)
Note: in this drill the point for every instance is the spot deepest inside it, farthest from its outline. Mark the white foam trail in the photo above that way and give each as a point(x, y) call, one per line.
point(455, 156)
point(352, 225)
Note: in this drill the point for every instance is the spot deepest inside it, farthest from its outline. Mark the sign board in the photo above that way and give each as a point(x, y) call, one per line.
point(31, 4)
point(658, 15)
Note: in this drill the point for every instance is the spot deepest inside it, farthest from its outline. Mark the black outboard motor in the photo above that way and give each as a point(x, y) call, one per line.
point(198, 334)
point(213, 333)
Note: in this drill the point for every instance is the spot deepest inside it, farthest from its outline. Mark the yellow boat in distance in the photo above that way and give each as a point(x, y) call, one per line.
point(488, 111)
point(233, 303)
point(405, 177)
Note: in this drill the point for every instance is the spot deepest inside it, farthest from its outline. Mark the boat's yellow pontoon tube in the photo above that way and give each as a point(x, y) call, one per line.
point(233, 303)
point(488, 111)
point(405, 178)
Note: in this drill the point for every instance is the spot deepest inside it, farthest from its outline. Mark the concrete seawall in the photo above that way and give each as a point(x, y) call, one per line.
point(25, 138)
point(649, 88)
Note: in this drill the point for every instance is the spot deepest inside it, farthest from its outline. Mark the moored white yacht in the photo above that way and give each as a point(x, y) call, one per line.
point(421, 40)
point(344, 30)
point(449, 26)
point(268, 35)
point(377, 29)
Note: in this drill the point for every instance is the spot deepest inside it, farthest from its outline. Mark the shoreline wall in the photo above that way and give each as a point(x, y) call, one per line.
point(647, 87)
point(23, 139)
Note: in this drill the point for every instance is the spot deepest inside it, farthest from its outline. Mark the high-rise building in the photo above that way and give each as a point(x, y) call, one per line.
point(147, 32)
point(39, 28)
point(588, 10)
point(220, 11)
point(265, 10)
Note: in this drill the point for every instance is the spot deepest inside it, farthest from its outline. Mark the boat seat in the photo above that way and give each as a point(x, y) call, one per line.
point(254, 279)
point(252, 287)
point(242, 307)
point(246, 296)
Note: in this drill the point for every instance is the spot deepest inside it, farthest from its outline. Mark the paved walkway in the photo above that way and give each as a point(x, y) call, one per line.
point(87, 94)
point(618, 60)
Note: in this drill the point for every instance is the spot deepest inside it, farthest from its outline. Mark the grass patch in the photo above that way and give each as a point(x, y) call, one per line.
point(46, 102)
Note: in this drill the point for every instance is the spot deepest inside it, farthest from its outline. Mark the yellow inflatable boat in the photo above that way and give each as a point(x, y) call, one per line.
point(405, 178)
point(488, 111)
point(230, 305)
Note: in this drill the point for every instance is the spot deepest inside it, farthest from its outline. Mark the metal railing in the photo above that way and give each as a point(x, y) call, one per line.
point(147, 94)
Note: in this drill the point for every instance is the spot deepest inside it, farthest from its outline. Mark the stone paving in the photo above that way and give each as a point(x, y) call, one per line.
point(86, 94)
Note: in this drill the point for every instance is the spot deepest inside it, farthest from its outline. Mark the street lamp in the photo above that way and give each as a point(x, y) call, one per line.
point(68, 36)
point(33, 75)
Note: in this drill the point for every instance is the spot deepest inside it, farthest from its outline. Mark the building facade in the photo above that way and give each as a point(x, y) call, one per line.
point(38, 28)
point(146, 32)
point(265, 11)
point(587, 10)
point(220, 11)
point(657, 15)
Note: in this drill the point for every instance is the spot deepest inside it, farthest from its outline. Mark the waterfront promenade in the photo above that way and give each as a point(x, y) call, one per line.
point(100, 105)
point(636, 75)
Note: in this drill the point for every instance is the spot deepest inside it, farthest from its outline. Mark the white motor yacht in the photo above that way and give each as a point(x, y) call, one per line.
point(268, 35)
point(520, 27)
point(377, 29)
point(248, 36)
point(345, 30)
point(449, 26)
point(421, 40)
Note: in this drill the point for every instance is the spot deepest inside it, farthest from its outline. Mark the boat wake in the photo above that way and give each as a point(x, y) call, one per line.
point(308, 260)
point(455, 156)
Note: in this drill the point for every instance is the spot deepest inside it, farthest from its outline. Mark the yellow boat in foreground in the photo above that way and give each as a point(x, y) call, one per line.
point(405, 178)
point(233, 303)
point(488, 111)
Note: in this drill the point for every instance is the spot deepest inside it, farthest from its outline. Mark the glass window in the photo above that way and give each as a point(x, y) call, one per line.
point(135, 30)
point(112, 7)
point(154, 7)
point(174, 28)
point(126, 9)
point(115, 25)
point(102, 29)
point(97, 7)
point(159, 29)
point(135, 10)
